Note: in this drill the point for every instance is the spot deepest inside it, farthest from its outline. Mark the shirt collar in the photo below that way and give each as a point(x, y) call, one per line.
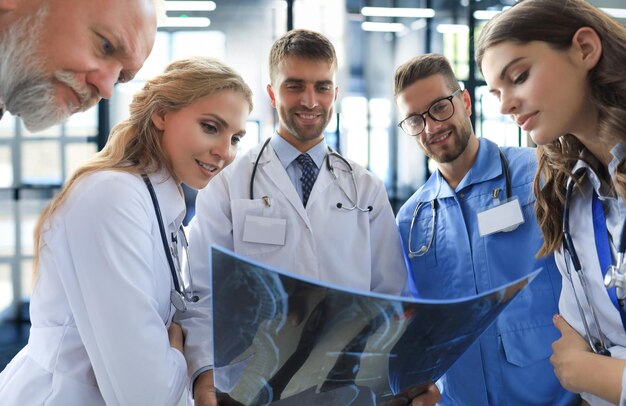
point(287, 153)
point(589, 164)
point(487, 166)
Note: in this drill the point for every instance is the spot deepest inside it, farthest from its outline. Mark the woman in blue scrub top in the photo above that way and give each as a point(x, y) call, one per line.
point(557, 68)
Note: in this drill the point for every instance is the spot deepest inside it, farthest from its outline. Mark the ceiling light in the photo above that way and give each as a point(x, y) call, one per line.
point(185, 22)
point(398, 12)
point(485, 14)
point(452, 28)
point(615, 12)
point(382, 27)
point(189, 5)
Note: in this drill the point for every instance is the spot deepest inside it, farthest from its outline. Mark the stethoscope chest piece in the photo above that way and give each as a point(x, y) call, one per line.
point(178, 300)
point(615, 277)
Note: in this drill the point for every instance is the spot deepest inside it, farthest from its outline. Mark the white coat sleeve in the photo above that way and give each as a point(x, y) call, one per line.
point(389, 270)
point(111, 293)
point(212, 224)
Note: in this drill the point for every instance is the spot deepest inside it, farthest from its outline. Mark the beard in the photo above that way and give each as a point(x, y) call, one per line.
point(25, 88)
point(460, 134)
point(305, 133)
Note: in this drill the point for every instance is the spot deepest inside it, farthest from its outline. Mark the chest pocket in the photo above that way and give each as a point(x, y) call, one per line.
point(240, 208)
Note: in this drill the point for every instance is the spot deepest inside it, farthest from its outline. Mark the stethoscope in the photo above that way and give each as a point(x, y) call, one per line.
point(615, 276)
point(178, 296)
point(331, 169)
point(423, 250)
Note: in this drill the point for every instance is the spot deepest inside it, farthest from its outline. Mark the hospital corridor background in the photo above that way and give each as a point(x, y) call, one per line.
point(372, 38)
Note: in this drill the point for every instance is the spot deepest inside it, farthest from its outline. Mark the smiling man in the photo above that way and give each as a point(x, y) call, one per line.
point(471, 228)
point(59, 57)
point(293, 204)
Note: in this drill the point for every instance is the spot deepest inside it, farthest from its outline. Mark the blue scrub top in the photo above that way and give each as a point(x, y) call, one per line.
point(509, 364)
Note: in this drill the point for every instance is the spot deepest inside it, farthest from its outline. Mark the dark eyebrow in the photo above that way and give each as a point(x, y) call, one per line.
point(508, 65)
point(301, 82)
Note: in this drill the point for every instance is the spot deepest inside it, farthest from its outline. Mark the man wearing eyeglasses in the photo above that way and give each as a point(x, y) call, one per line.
point(471, 228)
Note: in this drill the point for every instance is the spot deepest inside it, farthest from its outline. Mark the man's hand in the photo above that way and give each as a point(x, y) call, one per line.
point(428, 398)
point(426, 394)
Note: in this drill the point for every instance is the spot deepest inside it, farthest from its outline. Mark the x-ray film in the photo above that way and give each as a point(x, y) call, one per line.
point(280, 339)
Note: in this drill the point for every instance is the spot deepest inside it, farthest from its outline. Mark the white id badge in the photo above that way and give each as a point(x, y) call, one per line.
point(264, 230)
point(503, 217)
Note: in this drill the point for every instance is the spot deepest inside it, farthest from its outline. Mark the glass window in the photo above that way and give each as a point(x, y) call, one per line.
point(354, 119)
point(192, 43)
point(30, 210)
point(76, 154)
point(7, 125)
point(6, 166)
point(493, 125)
point(380, 122)
point(54, 131)
point(7, 228)
point(84, 124)
point(6, 286)
point(41, 162)
point(27, 278)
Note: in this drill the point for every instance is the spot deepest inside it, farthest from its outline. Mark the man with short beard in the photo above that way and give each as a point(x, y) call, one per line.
point(341, 230)
point(59, 57)
point(470, 229)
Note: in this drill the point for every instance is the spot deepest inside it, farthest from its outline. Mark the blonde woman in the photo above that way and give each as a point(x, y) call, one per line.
point(108, 254)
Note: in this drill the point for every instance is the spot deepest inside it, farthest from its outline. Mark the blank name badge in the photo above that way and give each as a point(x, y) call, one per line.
point(264, 230)
point(503, 217)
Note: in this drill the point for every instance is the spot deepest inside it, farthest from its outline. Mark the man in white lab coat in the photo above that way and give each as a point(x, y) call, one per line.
point(341, 231)
point(59, 57)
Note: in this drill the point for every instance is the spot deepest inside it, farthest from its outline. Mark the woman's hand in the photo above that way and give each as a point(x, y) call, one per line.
point(581, 370)
point(203, 390)
point(176, 336)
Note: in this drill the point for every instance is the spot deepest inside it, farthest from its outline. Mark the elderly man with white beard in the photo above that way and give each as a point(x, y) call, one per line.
point(59, 57)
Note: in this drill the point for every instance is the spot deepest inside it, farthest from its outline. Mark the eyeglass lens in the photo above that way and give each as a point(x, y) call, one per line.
point(439, 111)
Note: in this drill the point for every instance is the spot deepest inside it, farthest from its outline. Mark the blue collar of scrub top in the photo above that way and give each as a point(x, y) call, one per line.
point(487, 166)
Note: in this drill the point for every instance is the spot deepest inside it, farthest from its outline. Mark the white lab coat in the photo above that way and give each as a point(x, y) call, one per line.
point(100, 305)
point(360, 250)
point(581, 230)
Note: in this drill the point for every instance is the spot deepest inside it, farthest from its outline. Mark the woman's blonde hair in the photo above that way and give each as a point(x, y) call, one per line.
point(555, 22)
point(134, 144)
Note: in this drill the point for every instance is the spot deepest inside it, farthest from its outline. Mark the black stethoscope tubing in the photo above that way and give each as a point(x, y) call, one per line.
point(328, 166)
point(567, 238)
point(568, 244)
point(177, 287)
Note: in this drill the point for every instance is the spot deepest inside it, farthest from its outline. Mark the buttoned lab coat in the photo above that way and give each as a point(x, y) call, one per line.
point(101, 301)
point(509, 364)
point(582, 232)
point(360, 250)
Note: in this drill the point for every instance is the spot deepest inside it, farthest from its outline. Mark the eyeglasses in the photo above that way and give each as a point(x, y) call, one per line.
point(440, 110)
